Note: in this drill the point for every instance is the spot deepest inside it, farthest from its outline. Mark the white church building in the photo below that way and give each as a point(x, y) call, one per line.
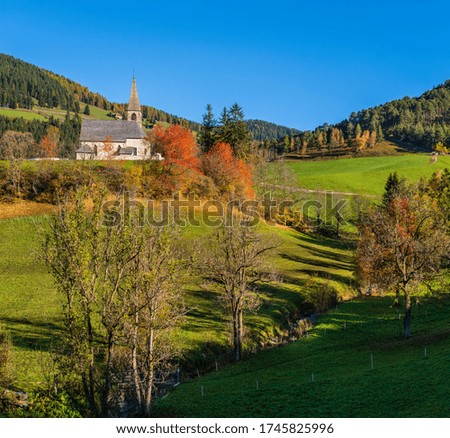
point(116, 139)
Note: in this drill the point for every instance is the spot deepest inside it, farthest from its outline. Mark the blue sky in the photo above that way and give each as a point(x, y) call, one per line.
point(297, 63)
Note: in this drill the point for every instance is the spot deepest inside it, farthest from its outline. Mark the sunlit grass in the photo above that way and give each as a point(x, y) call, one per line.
point(329, 373)
point(363, 175)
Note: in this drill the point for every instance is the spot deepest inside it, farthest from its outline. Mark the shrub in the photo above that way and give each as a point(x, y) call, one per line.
point(320, 296)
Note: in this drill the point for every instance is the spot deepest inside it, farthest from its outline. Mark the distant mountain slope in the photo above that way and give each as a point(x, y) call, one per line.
point(262, 130)
point(422, 121)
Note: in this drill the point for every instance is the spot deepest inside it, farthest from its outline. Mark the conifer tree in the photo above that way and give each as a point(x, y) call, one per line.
point(207, 134)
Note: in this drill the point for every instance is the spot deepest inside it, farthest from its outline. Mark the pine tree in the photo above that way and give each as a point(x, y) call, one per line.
point(207, 134)
point(233, 130)
point(87, 111)
point(392, 188)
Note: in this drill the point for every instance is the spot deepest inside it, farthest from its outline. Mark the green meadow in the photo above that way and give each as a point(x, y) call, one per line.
point(362, 175)
point(25, 114)
point(329, 373)
point(30, 306)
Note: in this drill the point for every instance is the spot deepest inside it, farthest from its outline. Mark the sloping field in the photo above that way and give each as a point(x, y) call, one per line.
point(329, 373)
point(363, 175)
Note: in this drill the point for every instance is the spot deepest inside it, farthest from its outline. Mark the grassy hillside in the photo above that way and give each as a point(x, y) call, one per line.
point(41, 113)
point(25, 114)
point(363, 175)
point(31, 308)
point(328, 374)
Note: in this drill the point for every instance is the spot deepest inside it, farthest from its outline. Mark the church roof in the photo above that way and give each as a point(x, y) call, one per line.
point(118, 130)
point(134, 104)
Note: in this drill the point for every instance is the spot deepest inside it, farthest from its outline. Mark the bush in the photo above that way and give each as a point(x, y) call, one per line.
point(48, 406)
point(320, 296)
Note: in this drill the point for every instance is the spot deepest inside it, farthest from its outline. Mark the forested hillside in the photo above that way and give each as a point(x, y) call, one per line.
point(23, 85)
point(422, 121)
point(262, 130)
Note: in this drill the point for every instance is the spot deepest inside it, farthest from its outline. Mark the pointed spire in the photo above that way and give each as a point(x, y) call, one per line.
point(134, 104)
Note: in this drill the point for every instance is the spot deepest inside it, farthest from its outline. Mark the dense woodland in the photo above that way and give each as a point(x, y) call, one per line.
point(262, 130)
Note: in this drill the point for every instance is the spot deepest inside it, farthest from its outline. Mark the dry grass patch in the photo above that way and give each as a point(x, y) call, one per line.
point(24, 208)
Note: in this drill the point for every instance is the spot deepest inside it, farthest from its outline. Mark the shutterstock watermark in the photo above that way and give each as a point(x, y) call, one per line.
point(193, 212)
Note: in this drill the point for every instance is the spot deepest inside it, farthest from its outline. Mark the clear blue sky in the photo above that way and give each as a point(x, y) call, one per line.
point(298, 63)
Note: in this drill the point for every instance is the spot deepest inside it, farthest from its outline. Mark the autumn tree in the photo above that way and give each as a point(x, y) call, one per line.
point(15, 147)
point(180, 151)
point(119, 279)
point(231, 176)
point(402, 246)
point(440, 148)
point(361, 139)
point(236, 260)
point(48, 146)
point(156, 309)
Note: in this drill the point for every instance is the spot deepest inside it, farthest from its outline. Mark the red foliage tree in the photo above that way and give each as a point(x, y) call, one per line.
point(231, 176)
point(178, 147)
point(180, 152)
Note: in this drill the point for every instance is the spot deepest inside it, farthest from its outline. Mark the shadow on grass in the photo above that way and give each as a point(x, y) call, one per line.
point(32, 335)
point(325, 273)
point(325, 242)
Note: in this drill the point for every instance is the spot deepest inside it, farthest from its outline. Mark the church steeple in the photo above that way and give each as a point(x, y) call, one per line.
point(134, 108)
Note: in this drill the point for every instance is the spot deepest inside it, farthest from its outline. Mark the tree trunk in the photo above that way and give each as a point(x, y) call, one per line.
point(107, 379)
point(237, 334)
point(134, 361)
point(91, 380)
point(407, 320)
point(150, 375)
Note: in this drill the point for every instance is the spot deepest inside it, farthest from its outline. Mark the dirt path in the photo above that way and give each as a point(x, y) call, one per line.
point(321, 192)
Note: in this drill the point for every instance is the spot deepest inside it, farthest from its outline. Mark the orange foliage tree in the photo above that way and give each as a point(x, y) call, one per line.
point(48, 147)
point(180, 151)
point(231, 176)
